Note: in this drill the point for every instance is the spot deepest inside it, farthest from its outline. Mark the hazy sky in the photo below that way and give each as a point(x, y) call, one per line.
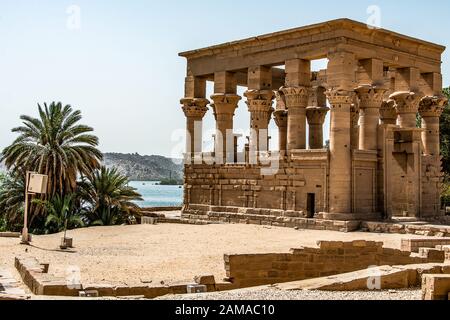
point(121, 67)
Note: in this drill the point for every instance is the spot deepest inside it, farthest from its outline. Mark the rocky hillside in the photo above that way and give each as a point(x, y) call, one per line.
point(144, 168)
point(140, 168)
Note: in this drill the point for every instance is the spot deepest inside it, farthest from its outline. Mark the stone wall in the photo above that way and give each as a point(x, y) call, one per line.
point(431, 186)
point(266, 217)
point(9, 234)
point(420, 230)
point(329, 259)
point(35, 275)
point(413, 245)
point(436, 287)
point(364, 181)
point(247, 186)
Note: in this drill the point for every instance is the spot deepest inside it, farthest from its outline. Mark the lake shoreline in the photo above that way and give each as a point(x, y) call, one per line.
point(156, 195)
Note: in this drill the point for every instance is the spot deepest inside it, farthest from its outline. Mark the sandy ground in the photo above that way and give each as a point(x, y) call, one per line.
point(170, 253)
point(300, 295)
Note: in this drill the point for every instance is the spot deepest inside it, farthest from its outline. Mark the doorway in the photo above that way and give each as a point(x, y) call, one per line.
point(311, 205)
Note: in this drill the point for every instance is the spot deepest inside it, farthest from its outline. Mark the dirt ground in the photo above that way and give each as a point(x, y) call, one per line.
point(170, 253)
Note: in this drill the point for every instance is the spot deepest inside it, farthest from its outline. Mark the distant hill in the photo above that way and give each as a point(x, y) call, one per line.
point(140, 168)
point(144, 168)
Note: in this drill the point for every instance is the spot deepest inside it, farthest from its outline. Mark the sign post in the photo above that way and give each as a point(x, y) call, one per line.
point(34, 184)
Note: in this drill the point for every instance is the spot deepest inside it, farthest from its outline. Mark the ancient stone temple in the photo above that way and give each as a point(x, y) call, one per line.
point(380, 163)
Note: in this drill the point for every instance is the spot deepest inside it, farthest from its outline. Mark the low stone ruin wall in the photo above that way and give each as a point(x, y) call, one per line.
point(9, 234)
point(40, 282)
point(375, 278)
point(247, 270)
point(436, 287)
point(330, 258)
point(413, 245)
point(266, 217)
point(424, 230)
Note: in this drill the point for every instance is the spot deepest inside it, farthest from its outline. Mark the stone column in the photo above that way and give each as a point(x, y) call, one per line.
point(388, 114)
point(407, 106)
point(370, 98)
point(354, 124)
point(430, 110)
point(296, 102)
point(316, 118)
point(224, 108)
point(281, 119)
point(194, 110)
point(340, 151)
point(259, 104)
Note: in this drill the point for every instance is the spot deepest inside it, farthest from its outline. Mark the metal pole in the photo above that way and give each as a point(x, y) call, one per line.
point(25, 214)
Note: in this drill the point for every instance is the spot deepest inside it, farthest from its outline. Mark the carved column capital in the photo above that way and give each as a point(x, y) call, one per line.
point(259, 100)
point(316, 115)
point(387, 111)
point(281, 118)
point(194, 108)
point(370, 96)
point(224, 104)
point(355, 106)
point(281, 100)
point(296, 97)
point(259, 104)
point(406, 102)
point(432, 106)
point(340, 97)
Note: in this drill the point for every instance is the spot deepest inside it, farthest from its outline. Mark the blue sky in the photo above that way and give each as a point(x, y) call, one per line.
point(122, 69)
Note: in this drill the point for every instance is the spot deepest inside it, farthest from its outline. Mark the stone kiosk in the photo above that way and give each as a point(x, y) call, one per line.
point(378, 165)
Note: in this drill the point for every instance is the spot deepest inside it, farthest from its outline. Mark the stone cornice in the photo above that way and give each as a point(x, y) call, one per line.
point(432, 106)
point(341, 26)
point(406, 102)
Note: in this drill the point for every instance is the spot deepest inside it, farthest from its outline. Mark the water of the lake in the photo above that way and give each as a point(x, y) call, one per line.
point(158, 196)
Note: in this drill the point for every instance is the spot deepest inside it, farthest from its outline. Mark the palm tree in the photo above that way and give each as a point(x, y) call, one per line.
point(12, 197)
point(445, 136)
point(54, 144)
point(61, 214)
point(108, 197)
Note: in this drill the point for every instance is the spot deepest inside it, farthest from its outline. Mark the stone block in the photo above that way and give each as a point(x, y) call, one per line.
point(205, 280)
point(435, 287)
point(432, 255)
point(330, 244)
point(103, 290)
point(59, 288)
